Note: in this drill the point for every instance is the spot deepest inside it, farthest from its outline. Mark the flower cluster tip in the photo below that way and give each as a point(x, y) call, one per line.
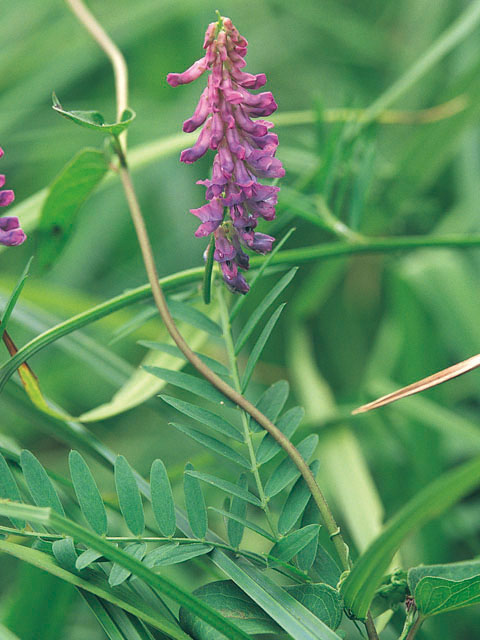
point(245, 151)
point(10, 232)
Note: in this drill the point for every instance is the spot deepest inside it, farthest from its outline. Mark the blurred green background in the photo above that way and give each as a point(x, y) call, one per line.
point(354, 327)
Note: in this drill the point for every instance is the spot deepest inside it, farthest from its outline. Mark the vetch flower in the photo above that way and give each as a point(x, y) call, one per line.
point(10, 232)
point(245, 151)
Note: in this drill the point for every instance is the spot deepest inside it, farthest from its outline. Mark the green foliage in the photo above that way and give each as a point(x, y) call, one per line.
point(162, 499)
point(129, 497)
point(94, 119)
point(88, 496)
point(195, 503)
point(70, 189)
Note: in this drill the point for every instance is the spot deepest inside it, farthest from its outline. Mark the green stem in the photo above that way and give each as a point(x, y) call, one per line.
point(449, 39)
point(247, 434)
point(413, 631)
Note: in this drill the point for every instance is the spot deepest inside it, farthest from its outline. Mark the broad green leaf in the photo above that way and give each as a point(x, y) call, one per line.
point(206, 417)
point(94, 119)
point(6, 634)
point(76, 182)
point(173, 350)
point(238, 508)
point(272, 401)
point(50, 518)
point(241, 301)
point(88, 496)
point(65, 554)
point(97, 585)
point(226, 486)
point(259, 346)
point(296, 502)
point(322, 600)
point(360, 585)
point(288, 424)
point(86, 558)
point(229, 600)
point(195, 503)
point(291, 615)
point(12, 301)
point(441, 588)
point(214, 445)
point(198, 386)
point(162, 499)
point(9, 489)
point(190, 315)
point(40, 486)
point(119, 574)
point(175, 554)
point(129, 496)
point(245, 523)
point(256, 316)
point(286, 471)
point(288, 547)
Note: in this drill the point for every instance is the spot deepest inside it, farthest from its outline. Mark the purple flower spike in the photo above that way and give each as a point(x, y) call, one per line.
point(11, 234)
point(245, 151)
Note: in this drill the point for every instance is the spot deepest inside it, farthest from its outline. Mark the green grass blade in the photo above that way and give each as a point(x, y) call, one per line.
point(12, 301)
point(256, 316)
point(87, 492)
point(9, 489)
point(360, 585)
point(129, 496)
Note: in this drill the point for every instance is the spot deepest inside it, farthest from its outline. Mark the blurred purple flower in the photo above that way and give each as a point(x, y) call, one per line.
point(245, 151)
point(10, 232)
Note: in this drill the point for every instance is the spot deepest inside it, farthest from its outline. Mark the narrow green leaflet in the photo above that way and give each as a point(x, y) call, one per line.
point(76, 182)
point(96, 585)
point(360, 585)
point(94, 119)
point(119, 574)
point(12, 301)
point(204, 416)
point(307, 556)
point(50, 518)
point(86, 558)
point(133, 324)
point(296, 502)
point(9, 489)
point(195, 385)
point(173, 350)
point(101, 612)
point(288, 547)
point(176, 553)
point(162, 499)
point(288, 424)
point(238, 508)
point(272, 402)
point(226, 486)
point(256, 316)
point(40, 486)
point(214, 445)
point(286, 471)
point(195, 503)
point(88, 496)
point(259, 346)
point(245, 523)
point(190, 315)
point(65, 554)
point(129, 496)
point(442, 588)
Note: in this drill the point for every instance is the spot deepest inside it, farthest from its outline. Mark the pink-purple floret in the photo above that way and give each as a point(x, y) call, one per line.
point(10, 232)
point(245, 151)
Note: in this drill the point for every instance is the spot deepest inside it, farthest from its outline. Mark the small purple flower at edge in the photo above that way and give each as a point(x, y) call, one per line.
point(245, 151)
point(10, 232)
